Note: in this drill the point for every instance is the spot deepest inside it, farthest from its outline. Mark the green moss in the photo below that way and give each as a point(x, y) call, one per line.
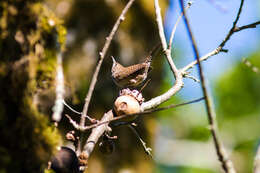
point(48, 171)
point(46, 70)
point(29, 139)
point(49, 23)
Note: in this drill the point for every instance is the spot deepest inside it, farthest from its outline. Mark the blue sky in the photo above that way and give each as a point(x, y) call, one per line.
point(210, 24)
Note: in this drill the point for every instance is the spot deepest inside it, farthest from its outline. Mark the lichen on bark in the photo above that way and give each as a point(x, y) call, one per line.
point(30, 38)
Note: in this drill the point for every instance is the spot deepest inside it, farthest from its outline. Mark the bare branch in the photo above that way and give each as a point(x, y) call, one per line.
point(204, 58)
point(142, 113)
point(252, 25)
point(70, 108)
point(167, 52)
point(96, 134)
point(177, 74)
point(186, 75)
point(231, 31)
point(74, 123)
point(147, 150)
point(171, 106)
point(160, 24)
point(227, 165)
point(176, 24)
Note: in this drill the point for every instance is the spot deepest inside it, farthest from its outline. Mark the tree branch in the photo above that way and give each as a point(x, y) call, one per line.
point(227, 165)
point(231, 31)
point(177, 74)
point(97, 131)
point(203, 58)
point(176, 24)
point(142, 113)
point(252, 25)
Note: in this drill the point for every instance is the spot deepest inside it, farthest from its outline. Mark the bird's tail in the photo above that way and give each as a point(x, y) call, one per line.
point(156, 49)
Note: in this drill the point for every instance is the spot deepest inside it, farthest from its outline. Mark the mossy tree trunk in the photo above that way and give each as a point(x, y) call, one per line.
point(29, 35)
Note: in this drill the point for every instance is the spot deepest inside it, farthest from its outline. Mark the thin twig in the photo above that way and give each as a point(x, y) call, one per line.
point(145, 84)
point(191, 77)
point(177, 74)
point(231, 31)
point(147, 150)
point(227, 165)
point(101, 126)
point(70, 108)
point(163, 39)
point(74, 123)
point(176, 24)
point(203, 58)
point(252, 25)
point(142, 113)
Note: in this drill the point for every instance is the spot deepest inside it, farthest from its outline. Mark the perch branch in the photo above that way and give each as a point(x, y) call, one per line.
point(142, 113)
point(95, 135)
point(97, 132)
point(227, 165)
point(99, 128)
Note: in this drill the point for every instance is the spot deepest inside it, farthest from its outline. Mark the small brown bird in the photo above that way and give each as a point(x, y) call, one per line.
point(131, 76)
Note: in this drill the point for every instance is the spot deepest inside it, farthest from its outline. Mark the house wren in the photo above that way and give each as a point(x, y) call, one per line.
point(131, 76)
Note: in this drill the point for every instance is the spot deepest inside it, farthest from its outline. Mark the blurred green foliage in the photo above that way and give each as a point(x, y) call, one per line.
point(238, 97)
point(238, 90)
